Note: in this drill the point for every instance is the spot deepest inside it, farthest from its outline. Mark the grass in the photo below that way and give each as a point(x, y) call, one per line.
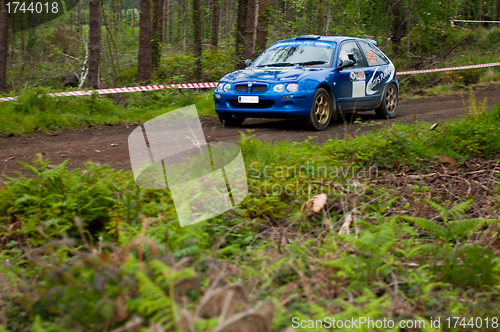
point(31, 112)
point(88, 249)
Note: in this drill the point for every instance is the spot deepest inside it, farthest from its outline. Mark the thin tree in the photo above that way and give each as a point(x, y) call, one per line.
point(94, 43)
point(496, 11)
point(180, 17)
point(170, 22)
point(227, 22)
point(145, 64)
point(320, 23)
point(241, 25)
point(195, 5)
point(215, 24)
point(133, 16)
point(77, 17)
point(480, 10)
point(4, 44)
point(396, 9)
point(262, 26)
point(156, 25)
point(166, 4)
point(249, 43)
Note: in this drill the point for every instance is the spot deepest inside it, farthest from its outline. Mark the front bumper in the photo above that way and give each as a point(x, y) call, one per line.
point(271, 104)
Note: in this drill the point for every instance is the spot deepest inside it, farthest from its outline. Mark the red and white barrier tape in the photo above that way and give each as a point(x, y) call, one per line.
point(129, 89)
point(214, 84)
point(449, 69)
point(472, 21)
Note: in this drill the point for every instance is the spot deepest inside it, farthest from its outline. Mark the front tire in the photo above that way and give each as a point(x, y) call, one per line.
point(389, 105)
point(322, 110)
point(230, 120)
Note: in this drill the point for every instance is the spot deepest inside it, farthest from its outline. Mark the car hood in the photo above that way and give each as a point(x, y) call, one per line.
point(270, 74)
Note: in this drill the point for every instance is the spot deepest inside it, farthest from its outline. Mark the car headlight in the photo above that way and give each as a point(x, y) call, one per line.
point(220, 87)
point(279, 87)
point(227, 87)
point(292, 87)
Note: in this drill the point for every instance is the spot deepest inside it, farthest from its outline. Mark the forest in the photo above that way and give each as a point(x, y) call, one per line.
point(99, 44)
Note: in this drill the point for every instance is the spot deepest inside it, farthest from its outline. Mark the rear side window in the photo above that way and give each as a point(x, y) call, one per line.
point(373, 55)
point(350, 50)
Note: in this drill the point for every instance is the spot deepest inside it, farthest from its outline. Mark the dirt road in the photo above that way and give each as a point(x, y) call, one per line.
point(95, 144)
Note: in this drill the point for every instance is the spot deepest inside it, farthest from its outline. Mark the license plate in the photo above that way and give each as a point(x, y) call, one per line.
point(248, 99)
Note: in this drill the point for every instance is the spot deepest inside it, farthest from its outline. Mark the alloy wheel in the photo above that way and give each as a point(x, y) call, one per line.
point(322, 109)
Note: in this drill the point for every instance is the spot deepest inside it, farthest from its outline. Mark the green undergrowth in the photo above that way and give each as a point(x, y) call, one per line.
point(88, 250)
point(34, 111)
point(447, 47)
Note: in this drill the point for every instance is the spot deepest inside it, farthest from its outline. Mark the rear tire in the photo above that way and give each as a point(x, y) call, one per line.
point(322, 111)
point(230, 120)
point(389, 105)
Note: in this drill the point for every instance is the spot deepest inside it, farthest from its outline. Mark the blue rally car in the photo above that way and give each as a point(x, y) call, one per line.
point(312, 77)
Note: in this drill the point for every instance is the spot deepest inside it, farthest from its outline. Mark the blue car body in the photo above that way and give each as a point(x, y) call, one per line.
point(360, 86)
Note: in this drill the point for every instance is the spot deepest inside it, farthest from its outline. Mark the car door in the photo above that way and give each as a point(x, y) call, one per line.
point(379, 73)
point(350, 83)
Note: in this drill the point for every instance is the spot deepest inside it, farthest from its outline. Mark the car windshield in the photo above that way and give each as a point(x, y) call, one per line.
point(296, 55)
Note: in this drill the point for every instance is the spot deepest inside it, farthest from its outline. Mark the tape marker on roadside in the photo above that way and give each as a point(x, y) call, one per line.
point(128, 89)
point(214, 84)
point(449, 69)
point(472, 21)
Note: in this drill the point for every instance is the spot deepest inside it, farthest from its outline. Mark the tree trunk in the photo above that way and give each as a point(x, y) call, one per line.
point(215, 24)
point(228, 18)
point(262, 27)
point(397, 13)
point(161, 19)
point(319, 26)
point(496, 13)
point(307, 16)
point(195, 5)
point(145, 65)
point(77, 17)
point(185, 19)
point(241, 25)
point(156, 25)
point(480, 10)
point(170, 21)
point(166, 17)
point(179, 18)
point(4, 44)
point(249, 45)
point(408, 27)
point(133, 16)
point(125, 5)
point(94, 43)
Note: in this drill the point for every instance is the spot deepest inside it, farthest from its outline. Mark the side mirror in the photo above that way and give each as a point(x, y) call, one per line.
point(248, 62)
point(346, 63)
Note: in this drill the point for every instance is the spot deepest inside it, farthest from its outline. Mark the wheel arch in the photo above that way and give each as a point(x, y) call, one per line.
point(395, 82)
point(330, 93)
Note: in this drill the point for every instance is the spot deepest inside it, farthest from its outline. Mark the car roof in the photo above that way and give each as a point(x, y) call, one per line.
point(334, 38)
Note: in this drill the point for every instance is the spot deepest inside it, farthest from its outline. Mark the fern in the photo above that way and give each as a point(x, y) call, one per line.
point(154, 303)
point(456, 211)
point(457, 229)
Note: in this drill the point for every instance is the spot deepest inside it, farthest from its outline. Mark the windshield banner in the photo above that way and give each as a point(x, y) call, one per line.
point(304, 43)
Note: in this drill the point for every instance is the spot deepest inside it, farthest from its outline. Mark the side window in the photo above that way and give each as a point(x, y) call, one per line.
point(373, 55)
point(351, 51)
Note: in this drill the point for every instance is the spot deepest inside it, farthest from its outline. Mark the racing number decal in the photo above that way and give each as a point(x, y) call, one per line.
point(358, 79)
